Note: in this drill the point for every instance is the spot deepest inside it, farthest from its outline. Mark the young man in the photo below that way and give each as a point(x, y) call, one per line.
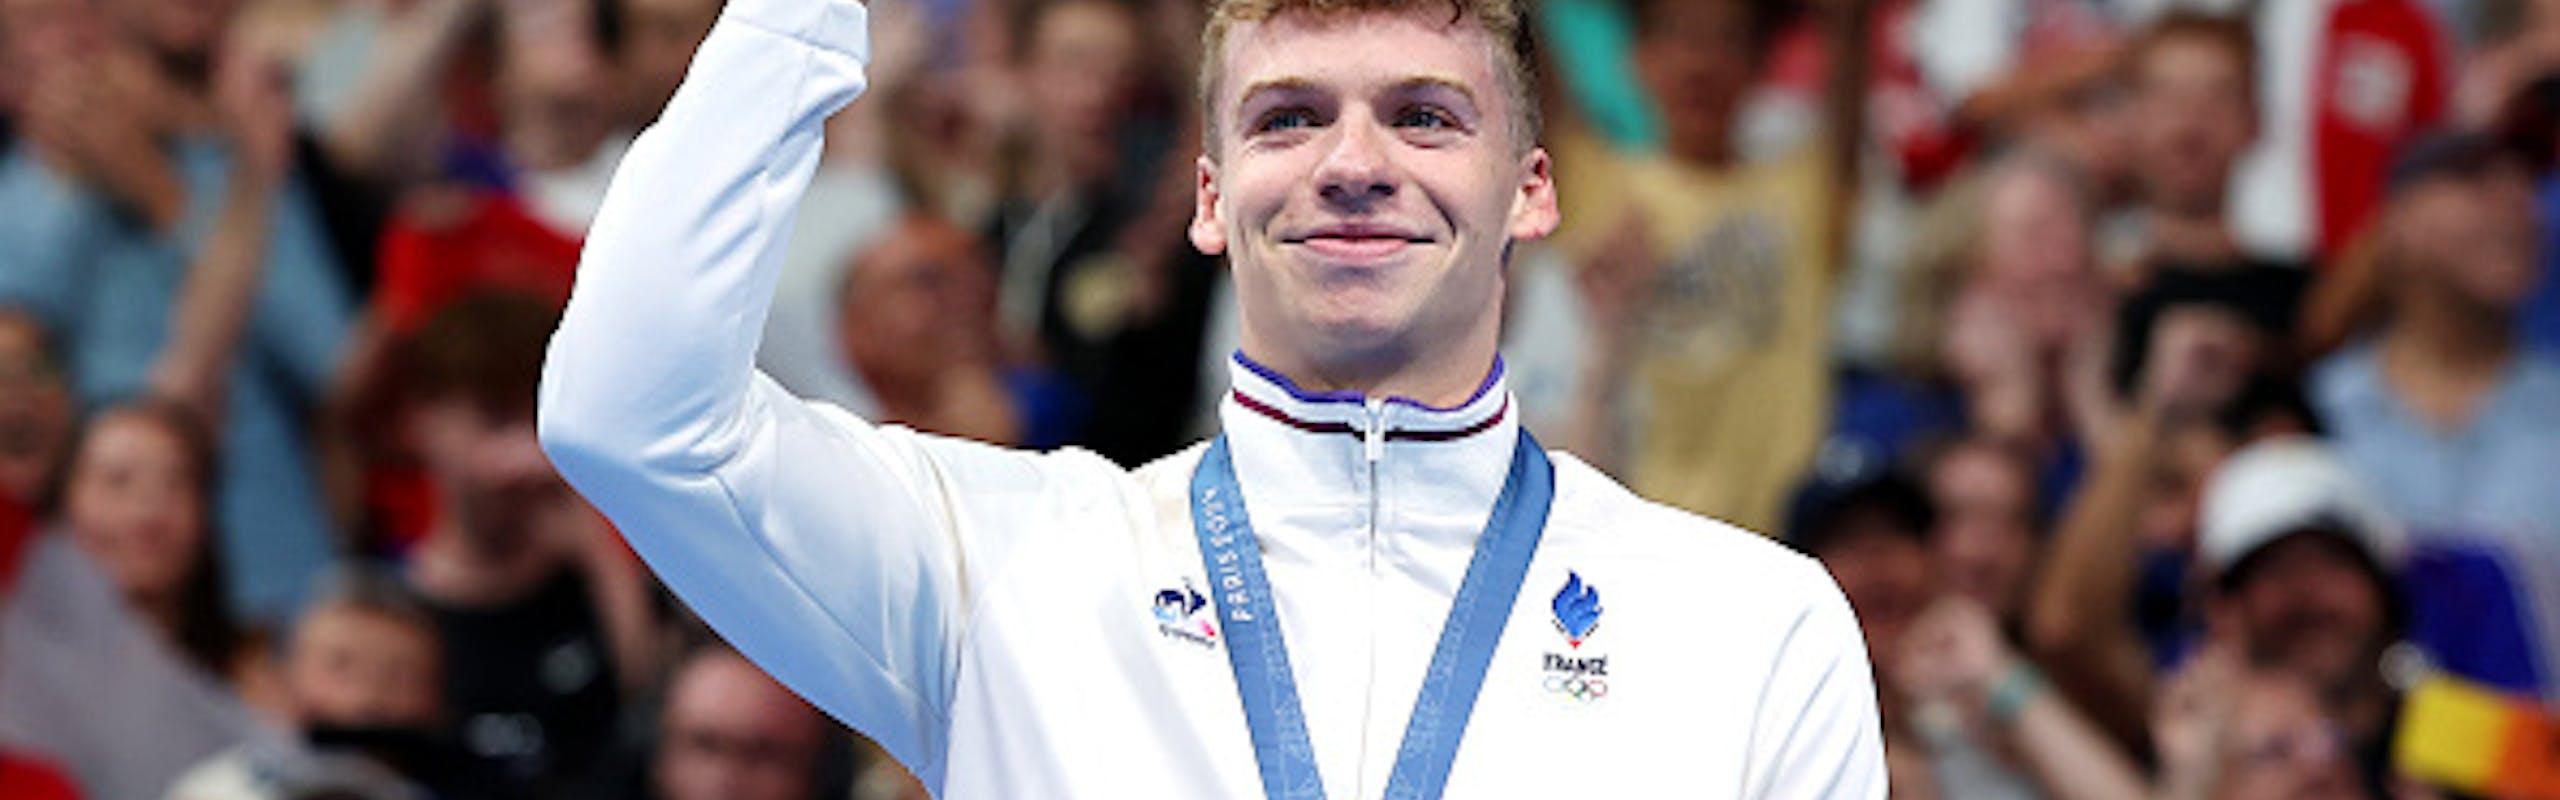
point(729, 732)
point(520, 577)
point(1010, 624)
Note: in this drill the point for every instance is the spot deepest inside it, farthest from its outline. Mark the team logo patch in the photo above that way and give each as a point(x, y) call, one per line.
point(1577, 607)
point(1183, 613)
point(1580, 676)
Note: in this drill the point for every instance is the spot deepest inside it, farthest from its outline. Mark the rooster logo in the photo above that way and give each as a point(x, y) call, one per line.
point(1172, 605)
point(1577, 608)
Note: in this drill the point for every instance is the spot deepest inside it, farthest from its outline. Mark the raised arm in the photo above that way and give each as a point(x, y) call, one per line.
point(827, 550)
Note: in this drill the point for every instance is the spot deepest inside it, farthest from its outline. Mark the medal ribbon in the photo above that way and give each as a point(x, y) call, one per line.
point(1260, 658)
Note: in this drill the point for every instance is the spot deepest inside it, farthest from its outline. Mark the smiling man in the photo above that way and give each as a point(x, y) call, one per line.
point(1373, 583)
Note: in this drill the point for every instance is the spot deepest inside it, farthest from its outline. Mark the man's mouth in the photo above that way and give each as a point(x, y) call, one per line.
point(1358, 242)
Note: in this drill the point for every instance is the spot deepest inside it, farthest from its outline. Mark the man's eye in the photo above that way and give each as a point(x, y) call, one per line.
point(1285, 119)
point(1425, 117)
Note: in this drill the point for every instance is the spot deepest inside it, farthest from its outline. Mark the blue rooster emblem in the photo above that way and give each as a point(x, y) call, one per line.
point(1577, 608)
point(1172, 605)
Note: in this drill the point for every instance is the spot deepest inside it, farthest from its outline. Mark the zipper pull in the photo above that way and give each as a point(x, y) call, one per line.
point(1375, 440)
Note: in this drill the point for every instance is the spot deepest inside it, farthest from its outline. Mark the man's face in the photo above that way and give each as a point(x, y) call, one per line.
point(2472, 237)
point(1367, 182)
point(730, 733)
point(2308, 607)
point(556, 90)
point(1696, 59)
point(2282, 746)
point(183, 29)
point(1083, 67)
point(2193, 117)
point(659, 37)
point(355, 668)
point(493, 468)
point(1883, 572)
point(35, 410)
point(1985, 537)
point(922, 298)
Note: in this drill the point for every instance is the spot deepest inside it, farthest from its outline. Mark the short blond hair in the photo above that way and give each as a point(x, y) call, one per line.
point(1503, 21)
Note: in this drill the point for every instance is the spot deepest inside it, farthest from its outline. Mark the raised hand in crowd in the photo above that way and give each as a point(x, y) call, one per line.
point(1612, 281)
point(99, 113)
point(255, 114)
point(1955, 665)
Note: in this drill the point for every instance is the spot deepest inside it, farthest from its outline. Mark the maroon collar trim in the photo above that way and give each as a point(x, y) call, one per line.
point(1346, 429)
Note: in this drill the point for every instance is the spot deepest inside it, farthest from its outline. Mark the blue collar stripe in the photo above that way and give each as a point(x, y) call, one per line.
point(1269, 690)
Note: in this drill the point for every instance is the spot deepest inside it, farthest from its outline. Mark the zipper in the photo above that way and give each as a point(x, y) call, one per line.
point(1373, 448)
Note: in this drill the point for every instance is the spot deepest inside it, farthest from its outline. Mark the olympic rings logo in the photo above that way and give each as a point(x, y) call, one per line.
point(1578, 687)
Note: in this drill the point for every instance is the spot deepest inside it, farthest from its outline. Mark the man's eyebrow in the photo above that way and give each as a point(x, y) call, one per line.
point(1417, 83)
point(1433, 82)
point(1275, 86)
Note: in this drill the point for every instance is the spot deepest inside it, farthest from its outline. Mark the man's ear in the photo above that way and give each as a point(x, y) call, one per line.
point(1534, 213)
point(1208, 232)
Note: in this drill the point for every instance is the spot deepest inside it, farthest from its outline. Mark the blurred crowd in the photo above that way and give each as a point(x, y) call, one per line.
point(2169, 385)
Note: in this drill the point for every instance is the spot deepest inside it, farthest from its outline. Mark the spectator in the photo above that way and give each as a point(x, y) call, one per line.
point(729, 732)
point(35, 421)
point(559, 101)
point(2301, 560)
point(1096, 269)
point(2229, 732)
point(1870, 528)
point(2020, 329)
point(135, 163)
point(91, 682)
point(2442, 408)
point(1954, 696)
point(1989, 724)
point(2195, 111)
point(361, 673)
point(2344, 84)
point(2107, 607)
point(1987, 535)
point(2452, 419)
point(917, 322)
point(135, 499)
point(542, 613)
point(35, 417)
point(2004, 312)
point(1712, 275)
point(658, 40)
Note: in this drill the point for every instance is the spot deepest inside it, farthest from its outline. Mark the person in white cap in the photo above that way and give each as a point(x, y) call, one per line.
point(2302, 562)
point(1373, 533)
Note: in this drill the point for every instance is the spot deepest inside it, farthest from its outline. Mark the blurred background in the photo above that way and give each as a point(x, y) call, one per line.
point(2170, 386)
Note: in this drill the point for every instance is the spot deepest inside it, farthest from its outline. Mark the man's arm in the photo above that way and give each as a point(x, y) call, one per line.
point(828, 551)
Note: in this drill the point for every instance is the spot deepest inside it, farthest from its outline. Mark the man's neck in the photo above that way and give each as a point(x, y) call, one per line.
point(2443, 357)
point(455, 568)
point(2192, 239)
point(1442, 378)
point(1707, 153)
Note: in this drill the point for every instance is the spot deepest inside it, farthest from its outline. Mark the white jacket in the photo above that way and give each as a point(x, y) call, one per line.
point(1011, 624)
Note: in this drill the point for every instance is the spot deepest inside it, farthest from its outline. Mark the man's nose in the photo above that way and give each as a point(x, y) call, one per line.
point(1357, 170)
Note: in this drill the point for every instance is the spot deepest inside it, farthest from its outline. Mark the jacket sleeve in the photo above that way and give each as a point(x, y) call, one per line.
point(1816, 732)
point(837, 555)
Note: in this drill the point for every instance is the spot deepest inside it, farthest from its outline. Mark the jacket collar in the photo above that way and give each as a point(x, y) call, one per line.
point(1308, 456)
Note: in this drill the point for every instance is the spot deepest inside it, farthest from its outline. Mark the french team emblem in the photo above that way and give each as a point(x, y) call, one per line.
point(1577, 607)
point(1179, 615)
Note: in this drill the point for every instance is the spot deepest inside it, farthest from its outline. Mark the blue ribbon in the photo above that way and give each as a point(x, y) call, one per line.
point(1450, 684)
